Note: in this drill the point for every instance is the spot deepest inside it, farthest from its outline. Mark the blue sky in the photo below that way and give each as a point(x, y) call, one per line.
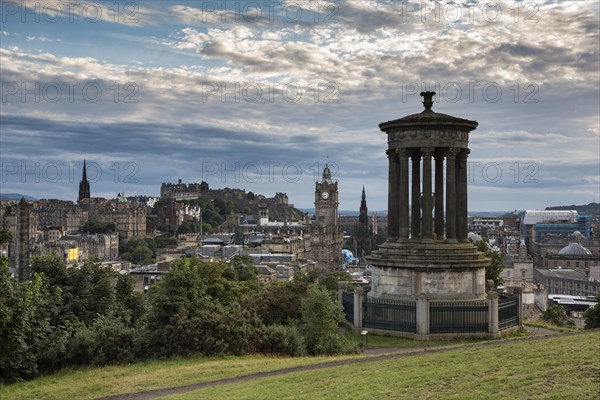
point(260, 95)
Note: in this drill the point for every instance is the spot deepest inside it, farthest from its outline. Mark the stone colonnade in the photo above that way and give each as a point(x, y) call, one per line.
point(421, 224)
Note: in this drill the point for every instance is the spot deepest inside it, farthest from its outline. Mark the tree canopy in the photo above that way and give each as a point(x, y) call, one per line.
point(493, 271)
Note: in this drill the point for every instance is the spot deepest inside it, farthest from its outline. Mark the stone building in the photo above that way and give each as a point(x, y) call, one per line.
point(63, 214)
point(129, 217)
point(518, 267)
point(21, 221)
point(567, 282)
point(326, 232)
point(183, 191)
point(573, 256)
point(79, 248)
point(297, 246)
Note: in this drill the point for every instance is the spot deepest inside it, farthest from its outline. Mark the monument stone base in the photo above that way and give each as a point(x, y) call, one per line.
point(439, 270)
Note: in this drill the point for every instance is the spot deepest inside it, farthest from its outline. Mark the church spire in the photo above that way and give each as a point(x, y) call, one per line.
point(363, 233)
point(84, 185)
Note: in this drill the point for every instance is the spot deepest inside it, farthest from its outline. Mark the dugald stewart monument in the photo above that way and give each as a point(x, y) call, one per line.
point(428, 278)
point(428, 250)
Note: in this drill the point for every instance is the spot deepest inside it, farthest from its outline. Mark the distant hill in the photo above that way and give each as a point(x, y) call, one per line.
point(16, 196)
point(588, 209)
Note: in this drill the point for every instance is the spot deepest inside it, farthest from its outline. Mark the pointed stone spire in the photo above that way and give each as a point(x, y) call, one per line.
point(84, 185)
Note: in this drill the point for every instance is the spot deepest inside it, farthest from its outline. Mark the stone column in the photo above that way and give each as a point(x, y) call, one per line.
point(427, 206)
point(359, 296)
point(439, 196)
point(461, 196)
point(520, 309)
point(415, 225)
point(403, 194)
point(493, 322)
point(451, 195)
point(392, 195)
point(422, 317)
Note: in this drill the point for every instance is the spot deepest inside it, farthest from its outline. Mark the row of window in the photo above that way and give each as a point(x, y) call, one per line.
point(563, 284)
point(586, 264)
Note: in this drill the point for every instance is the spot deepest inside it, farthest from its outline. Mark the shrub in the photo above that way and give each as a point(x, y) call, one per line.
point(321, 316)
point(592, 315)
point(558, 316)
point(282, 339)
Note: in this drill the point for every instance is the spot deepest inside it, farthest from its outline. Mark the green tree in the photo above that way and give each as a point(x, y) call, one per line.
point(492, 272)
point(139, 251)
point(321, 317)
point(592, 315)
point(244, 268)
point(25, 329)
point(5, 237)
point(88, 293)
point(280, 302)
point(53, 267)
point(310, 276)
point(130, 305)
point(331, 279)
point(98, 227)
point(164, 241)
point(194, 309)
point(557, 315)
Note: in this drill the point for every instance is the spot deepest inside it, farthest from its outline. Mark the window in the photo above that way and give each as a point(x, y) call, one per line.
point(586, 264)
point(568, 264)
point(576, 264)
point(523, 273)
point(555, 263)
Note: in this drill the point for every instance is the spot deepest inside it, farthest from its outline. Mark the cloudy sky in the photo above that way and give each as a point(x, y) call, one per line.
point(260, 95)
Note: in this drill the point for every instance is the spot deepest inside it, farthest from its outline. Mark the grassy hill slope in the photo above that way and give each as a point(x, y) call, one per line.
point(559, 367)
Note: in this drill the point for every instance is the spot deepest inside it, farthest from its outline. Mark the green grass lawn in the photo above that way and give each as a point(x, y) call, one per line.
point(550, 368)
point(557, 368)
point(89, 383)
point(548, 325)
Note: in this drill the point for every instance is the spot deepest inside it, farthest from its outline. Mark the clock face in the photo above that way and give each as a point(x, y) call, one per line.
point(325, 195)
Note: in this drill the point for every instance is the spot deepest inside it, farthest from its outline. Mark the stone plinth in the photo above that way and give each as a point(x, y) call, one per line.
point(442, 271)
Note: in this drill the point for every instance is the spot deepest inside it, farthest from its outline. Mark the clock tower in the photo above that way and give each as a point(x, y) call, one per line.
point(326, 232)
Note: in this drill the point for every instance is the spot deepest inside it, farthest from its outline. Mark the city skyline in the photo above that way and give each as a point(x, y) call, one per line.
point(261, 97)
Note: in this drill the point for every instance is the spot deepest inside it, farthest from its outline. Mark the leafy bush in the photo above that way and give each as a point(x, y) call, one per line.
point(558, 316)
point(321, 316)
point(283, 339)
point(592, 315)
